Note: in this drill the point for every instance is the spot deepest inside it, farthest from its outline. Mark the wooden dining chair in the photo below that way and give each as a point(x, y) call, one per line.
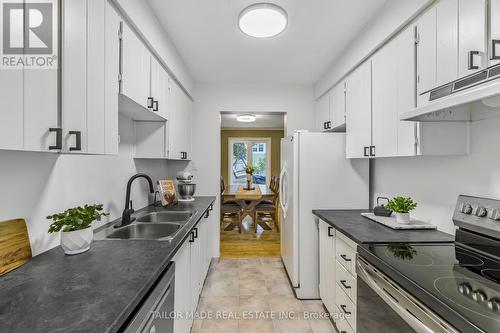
point(268, 210)
point(231, 213)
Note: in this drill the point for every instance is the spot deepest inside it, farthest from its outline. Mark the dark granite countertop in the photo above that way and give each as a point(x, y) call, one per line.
point(91, 292)
point(363, 230)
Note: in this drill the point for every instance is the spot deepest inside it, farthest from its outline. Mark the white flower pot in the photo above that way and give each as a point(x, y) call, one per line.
point(75, 242)
point(403, 218)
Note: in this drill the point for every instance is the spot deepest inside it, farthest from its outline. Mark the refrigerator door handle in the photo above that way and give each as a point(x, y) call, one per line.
point(283, 205)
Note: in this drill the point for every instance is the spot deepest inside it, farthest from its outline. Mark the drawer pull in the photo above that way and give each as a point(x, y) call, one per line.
point(330, 231)
point(343, 256)
point(343, 307)
point(343, 283)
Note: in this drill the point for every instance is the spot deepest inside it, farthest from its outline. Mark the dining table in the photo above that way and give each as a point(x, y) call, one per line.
point(248, 200)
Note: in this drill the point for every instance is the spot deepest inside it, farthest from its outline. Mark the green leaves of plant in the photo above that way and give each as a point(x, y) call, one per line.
point(77, 218)
point(401, 204)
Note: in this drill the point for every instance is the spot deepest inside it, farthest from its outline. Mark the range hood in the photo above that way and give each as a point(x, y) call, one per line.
point(457, 100)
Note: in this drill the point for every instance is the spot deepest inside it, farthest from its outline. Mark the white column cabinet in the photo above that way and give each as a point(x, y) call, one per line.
point(327, 265)
point(359, 112)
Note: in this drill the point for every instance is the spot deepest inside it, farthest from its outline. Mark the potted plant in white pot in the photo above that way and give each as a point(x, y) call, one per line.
point(402, 207)
point(75, 224)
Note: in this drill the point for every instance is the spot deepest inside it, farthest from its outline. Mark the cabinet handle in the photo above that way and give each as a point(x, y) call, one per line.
point(191, 237)
point(211, 207)
point(343, 283)
point(372, 151)
point(155, 106)
point(58, 144)
point(324, 125)
point(150, 102)
point(329, 124)
point(494, 44)
point(329, 232)
point(365, 152)
point(78, 139)
point(195, 232)
point(184, 155)
point(207, 214)
point(471, 59)
point(343, 307)
point(343, 256)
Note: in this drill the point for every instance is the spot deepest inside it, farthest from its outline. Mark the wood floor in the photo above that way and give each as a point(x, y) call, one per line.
point(248, 244)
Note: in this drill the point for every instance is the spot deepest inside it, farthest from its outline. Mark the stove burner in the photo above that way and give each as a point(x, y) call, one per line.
point(460, 292)
point(467, 259)
point(492, 274)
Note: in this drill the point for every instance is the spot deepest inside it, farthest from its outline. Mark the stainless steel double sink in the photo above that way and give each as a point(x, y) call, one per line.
point(160, 225)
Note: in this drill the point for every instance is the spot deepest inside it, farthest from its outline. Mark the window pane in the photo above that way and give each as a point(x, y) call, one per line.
point(259, 159)
point(239, 162)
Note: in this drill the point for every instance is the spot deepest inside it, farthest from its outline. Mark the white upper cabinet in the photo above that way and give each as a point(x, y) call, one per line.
point(426, 51)
point(446, 41)
point(359, 112)
point(472, 54)
point(136, 69)
point(494, 28)
point(179, 124)
point(330, 110)
point(159, 88)
point(90, 77)
point(393, 81)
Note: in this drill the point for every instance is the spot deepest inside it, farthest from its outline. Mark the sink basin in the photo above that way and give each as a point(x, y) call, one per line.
point(146, 231)
point(161, 217)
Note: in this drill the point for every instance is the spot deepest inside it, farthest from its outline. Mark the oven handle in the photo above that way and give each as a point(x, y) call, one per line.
point(416, 324)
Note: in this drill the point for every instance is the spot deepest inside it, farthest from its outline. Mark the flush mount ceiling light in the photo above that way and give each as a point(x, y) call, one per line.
point(263, 20)
point(246, 118)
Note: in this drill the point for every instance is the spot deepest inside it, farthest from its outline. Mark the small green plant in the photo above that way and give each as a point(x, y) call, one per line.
point(77, 218)
point(249, 170)
point(402, 251)
point(401, 205)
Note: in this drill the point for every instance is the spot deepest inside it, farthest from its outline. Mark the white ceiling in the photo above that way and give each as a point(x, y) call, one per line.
point(206, 34)
point(268, 121)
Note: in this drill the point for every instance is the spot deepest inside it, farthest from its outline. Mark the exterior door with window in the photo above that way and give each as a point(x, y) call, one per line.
point(245, 152)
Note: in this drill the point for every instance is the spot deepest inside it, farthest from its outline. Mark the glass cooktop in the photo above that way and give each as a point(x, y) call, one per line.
point(465, 281)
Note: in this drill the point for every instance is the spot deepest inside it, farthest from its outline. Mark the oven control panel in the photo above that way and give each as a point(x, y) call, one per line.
point(478, 214)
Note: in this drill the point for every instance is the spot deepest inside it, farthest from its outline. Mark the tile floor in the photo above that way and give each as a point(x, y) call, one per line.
point(255, 296)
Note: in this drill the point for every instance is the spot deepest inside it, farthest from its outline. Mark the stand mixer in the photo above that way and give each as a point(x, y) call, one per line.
point(185, 186)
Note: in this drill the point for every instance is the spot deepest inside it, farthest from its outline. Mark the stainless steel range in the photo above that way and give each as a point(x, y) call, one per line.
point(452, 287)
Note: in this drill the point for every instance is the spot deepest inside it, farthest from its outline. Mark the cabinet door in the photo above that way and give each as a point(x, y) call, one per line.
point(136, 68)
point(358, 111)
point(494, 38)
point(393, 79)
point(322, 110)
point(112, 57)
point(337, 105)
point(471, 36)
point(74, 75)
point(159, 88)
point(323, 263)
point(96, 76)
point(175, 123)
point(183, 289)
point(446, 41)
point(327, 265)
point(187, 111)
point(12, 109)
point(426, 52)
point(196, 272)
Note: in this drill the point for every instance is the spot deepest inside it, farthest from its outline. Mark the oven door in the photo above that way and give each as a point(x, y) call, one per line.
point(382, 303)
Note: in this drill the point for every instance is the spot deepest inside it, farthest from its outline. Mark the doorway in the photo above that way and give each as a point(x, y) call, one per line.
point(256, 145)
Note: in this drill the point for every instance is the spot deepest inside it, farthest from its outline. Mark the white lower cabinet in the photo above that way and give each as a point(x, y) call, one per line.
point(192, 261)
point(327, 266)
point(337, 267)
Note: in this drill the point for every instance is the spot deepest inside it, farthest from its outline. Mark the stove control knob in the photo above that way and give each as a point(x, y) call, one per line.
point(494, 214)
point(465, 208)
point(465, 288)
point(494, 304)
point(479, 211)
point(479, 296)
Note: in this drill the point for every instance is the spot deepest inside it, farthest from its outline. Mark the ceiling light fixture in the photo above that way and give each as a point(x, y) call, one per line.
point(246, 118)
point(263, 20)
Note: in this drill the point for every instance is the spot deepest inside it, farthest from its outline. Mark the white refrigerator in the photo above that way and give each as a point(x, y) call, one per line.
point(315, 174)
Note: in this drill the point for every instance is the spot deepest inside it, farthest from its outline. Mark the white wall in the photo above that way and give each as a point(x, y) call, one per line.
point(435, 182)
point(296, 101)
point(34, 185)
point(393, 16)
point(143, 17)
